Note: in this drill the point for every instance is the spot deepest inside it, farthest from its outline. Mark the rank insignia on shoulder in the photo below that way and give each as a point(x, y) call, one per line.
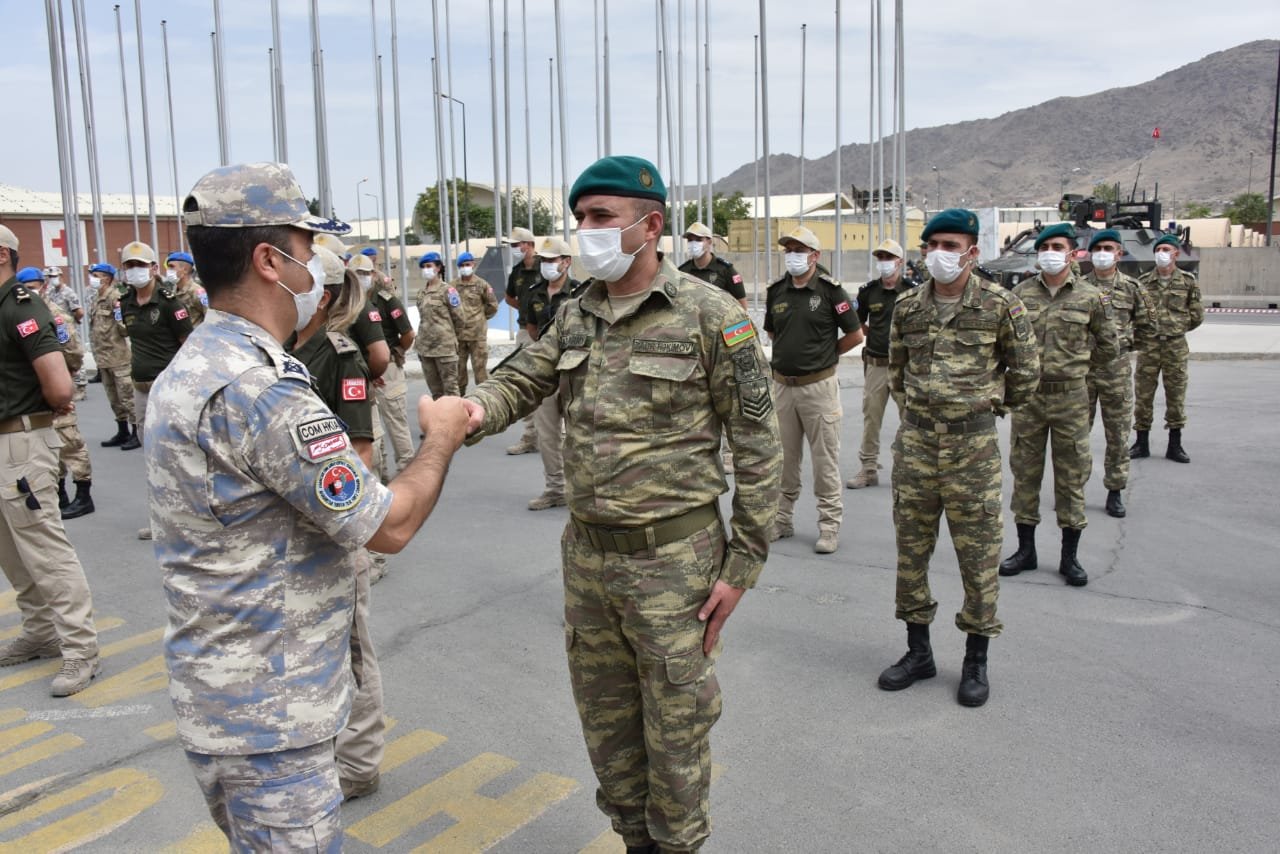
point(292, 366)
point(670, 289)
point(736, 333)
point(354, 389)
point(1017, 310)
point(28, 327)
point(21, 294)
point(338, 485)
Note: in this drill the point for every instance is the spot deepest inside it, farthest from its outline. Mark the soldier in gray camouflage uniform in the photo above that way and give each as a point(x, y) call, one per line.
point(246, 464)
point(439, 319)
point(960, 352)
point(650, 366)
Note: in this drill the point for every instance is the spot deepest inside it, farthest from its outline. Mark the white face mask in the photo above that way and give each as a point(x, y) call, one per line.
point(550, 270)
point(517, 254)
point(171, 276)
point(797, 263)
point(1104, 260)
point(1052, 262)
point(306, 303)
point(886, 268)
point(428, 273)
point(136, 276)
point(466, 270)
point(1164, 260)
point(365, 280)
point(696, 248)
point(94, 283)
point(600, 250)
point(945, 267)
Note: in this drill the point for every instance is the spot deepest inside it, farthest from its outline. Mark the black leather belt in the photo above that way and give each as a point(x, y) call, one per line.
point(957, 428)
point(627, 541)
point(805, 379)
point(1060, 386)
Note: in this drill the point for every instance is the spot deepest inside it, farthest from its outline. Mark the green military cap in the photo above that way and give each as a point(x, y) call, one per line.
point(253, 194)
point(1168, 240)
point(951, 221)
point(1058, 229)
point(620, 175)
point(1106, 234)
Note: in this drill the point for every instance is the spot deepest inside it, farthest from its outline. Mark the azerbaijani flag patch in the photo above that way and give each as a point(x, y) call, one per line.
point(738, 332)
point(1016, 310)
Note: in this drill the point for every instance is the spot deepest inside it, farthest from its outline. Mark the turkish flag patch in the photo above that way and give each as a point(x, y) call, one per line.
point(28, 327)
point(842, 307)
point(354, 389)
point(737, 278)
point(395, 312)
point(180, 314)
point(375, 316)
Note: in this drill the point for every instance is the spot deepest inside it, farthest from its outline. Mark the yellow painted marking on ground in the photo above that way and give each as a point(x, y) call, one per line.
point(49, 668)
point(409, 746)
point(38, 752)
point(11, 738)
point(205, 839)
point(481, 821)
point(164, 731)
point(611, 843)
point(131, 792)
point(13, 715)
point(13, 795)
point(104, 624)
point(144, 678)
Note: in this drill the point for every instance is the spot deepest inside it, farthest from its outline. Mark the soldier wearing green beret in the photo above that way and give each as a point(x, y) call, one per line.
point(650, 366)
point(1072, 325)
point(1111, 385)
point(960, 352)
point(1177, 309)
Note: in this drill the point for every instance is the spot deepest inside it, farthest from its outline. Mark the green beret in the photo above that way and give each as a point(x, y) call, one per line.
point(1170, 239)
point(633, 177)
point(1106, 234)
point(951, 221)
point(1058, 229)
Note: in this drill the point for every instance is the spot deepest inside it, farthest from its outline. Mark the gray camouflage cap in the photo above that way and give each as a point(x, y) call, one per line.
point(253, 194)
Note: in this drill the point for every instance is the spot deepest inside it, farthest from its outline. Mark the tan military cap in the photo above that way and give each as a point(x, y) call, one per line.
point(136, 251)
point(554, 247)
point(253, 194)
point(8, 239)
point(800, 234)
point(334, 269)
point(697, 229)
point(361, 263)
point(520, 235)
point(891, 247)
point(332, 242)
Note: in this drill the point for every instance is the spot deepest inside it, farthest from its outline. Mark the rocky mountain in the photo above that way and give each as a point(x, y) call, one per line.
point(1211, 113)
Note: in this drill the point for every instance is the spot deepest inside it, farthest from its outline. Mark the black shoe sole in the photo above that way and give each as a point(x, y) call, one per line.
point(1010, 573)
point(971, 704)
point(902, 687)
point(1115, 515)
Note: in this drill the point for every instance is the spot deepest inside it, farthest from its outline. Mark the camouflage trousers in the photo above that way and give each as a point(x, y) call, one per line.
point(646, 695)
point(360, 745)
point(73, 456)
point(1065, 417)
point(441, 374)
point(958, 474)
point(118, 383)
point(811, 413)
point(265, 802)
point(1111, 388)
point(477, 352)
point(1167, 358)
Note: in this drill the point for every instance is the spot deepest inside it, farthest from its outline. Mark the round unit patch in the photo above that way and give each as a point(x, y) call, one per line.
point(338, 485)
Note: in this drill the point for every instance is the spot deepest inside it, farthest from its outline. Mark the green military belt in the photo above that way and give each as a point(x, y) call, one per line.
point(1060, 386)
point(638, 539)
point(877, 361)
point(26, 423)
point(806, 379)
point(958, 428)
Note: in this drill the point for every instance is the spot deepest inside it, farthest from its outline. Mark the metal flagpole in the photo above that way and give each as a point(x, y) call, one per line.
point(879, 60)
point(382, 139)
point(528, 144)
point(275, 107)
point(62, 130)
point(277, 95)
point(677, 212)
point(804, 42)
point(453, 149)
point(173, 145)
point(219, 83)
point(706, 75)
point(676, 229)
point(506, 103)
point(146, 130)
point(443, 192)
point(608, 112)
point(128, 133)
point(595, 62)
point(497, 199)
point(901, 73)
point(698, 110)
point(837, 262)
point(551, 129)
point(395, 112)
point(322, 131)
point(564, 136)
point(658, 68)
point(755, 164)
point(764, 130)
point(90, 130)
point(871, 133)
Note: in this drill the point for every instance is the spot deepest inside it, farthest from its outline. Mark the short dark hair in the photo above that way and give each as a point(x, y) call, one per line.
point(223, 254)
point(644, 207)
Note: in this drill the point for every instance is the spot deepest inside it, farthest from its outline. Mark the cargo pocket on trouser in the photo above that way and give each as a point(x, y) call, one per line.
point(299, 812)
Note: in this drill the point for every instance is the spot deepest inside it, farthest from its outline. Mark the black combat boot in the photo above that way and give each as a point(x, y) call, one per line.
point(1175, 452)
point(83, 503)
point(1024, 559)
point(121, 436)
point(649, 848)
point(133, 442)
point(916, 664)
point(1140, 448)
point(1070, 568)
point(96, 378)
point(1115, 504)
point(974, 689)
point(63, 498)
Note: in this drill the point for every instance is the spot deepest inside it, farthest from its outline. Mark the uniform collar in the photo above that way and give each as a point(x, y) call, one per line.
point(596, 297)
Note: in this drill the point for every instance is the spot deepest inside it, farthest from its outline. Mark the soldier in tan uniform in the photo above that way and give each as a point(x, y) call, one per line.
point(111, 351)
point(960, 352)
point(479, 303)
point(650, 366)
point(179, 274)
point(439, 316)
point(1073, 326)
point(525, 274)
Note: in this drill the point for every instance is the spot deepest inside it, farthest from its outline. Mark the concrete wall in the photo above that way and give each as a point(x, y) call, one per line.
point(1243, 277)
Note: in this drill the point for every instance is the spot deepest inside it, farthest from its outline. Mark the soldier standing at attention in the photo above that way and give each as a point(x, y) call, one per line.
point(111, 350)
point(478, 305)
point(35, 555)
point(1177, 309)
point(1111, 386)
point(180, 276)
point(812, 322)
point(650, 366)
point(524, 275)
point(1072, 325)
point(390, 390)
point(261, 509)
point(61, 294)
point(439, 317)
point(960, 351)
point(875, 310)
point(705, 265)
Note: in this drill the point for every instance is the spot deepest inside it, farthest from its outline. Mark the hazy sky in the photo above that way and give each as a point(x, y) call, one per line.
point(965, 59)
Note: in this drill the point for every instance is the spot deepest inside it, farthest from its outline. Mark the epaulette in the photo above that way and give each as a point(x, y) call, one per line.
point(342, 344)
point(21, 294)
point(287, 367)
point(168, 293)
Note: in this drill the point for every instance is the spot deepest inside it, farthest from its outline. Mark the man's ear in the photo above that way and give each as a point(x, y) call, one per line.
point(265, 261)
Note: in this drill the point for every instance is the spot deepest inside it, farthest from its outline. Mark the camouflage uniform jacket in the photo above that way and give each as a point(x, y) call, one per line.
point(259, 506)
point(64, 296)
point(478, 305)
point(64, 327)
point(192, 295)
point(1074, 328)
point(1176, 302)
point(1131, 309)
point(983, 359)
point(439, 319)
point(106, 330)
point(645, 397)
